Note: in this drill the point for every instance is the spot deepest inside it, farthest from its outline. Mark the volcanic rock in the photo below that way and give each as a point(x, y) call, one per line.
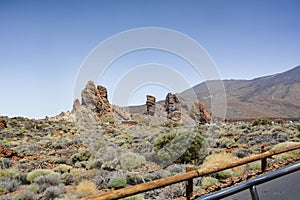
point(173, 107)
point(200, 113)
point(94, 104)
point(6, 152)
point(3, 124)
point(150, 103)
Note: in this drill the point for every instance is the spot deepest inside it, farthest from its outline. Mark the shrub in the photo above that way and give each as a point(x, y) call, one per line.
point(117, 182)
point(82, 155)
point(46, 181)
point(134, 178)
point(130, 160)
point(254, 165)
point(34, 188)
point(261, 122)
point(180, 147)
point(287, 155)
point(9, 185)
point(225, 143)
point(9, 173)
point(67, 178)
point(53, 191)
point(40, 172)
point(242, 153)
point(86, 188)
point(208, 181)
point(223, 158)
point(5, 163)
point(25, 196)
point(62, 168)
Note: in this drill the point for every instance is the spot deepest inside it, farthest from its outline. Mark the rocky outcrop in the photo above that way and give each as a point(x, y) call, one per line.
point(3, 124)
point(94, 104)
point(173, 107)
point(200, 113)
point(150, 104)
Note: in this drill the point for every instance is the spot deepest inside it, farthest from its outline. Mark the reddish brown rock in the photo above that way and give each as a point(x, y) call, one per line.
point(200, 113)
point(3, 124)
point(173, 107)
point(6, 152)
point(150, 104)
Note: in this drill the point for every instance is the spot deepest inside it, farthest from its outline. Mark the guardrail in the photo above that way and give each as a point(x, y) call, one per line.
point(188, 176)
point(251, 185)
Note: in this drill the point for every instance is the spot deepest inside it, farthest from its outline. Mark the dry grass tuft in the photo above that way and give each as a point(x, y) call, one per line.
point(220, 159)
point(86, 188)
point(287, 155)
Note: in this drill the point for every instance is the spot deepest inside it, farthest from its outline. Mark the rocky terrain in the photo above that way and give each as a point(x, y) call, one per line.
point(51, 158)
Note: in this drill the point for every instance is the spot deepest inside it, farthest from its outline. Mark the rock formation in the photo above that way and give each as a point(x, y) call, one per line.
point(94, 104)
point(200, 113)
point(150, 104)
point(3, 124)
point(173, 107)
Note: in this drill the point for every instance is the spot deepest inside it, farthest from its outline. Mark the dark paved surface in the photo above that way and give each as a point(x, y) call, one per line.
point(283, 188)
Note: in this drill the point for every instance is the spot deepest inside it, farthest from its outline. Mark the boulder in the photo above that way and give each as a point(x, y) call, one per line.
point(6, 152)
point(200, 113)
point(3, 124)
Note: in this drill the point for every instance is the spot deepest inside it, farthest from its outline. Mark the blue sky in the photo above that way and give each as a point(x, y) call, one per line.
point(44, 43)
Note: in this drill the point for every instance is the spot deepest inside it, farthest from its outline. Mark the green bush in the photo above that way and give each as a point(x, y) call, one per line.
point(208, 181)
point(225, 143)
point(62, 168)
point(40, 172)
point(130, 160)
point(82, 155)
point(180, 147)
point(117, 182)
point(9, 173)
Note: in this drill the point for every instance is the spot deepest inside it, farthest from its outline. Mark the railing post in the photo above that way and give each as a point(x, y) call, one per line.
point(189, 185)
point(254, 194)
point(264, 160)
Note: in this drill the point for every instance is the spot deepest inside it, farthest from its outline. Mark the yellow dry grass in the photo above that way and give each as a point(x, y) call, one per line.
point(86, 188)
point(223, 158)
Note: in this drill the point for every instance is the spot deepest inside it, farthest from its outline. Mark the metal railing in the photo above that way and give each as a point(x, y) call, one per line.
point(251, 185)
point(189, 176)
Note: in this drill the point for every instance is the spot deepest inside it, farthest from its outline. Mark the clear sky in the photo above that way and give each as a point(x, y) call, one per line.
point(44, 43)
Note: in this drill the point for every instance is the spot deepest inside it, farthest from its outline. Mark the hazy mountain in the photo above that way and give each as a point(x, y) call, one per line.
point(275, 96)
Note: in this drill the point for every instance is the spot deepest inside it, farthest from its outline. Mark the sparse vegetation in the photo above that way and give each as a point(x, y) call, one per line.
point(46, 158)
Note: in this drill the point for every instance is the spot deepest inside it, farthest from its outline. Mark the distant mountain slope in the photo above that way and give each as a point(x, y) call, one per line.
point(275, 96)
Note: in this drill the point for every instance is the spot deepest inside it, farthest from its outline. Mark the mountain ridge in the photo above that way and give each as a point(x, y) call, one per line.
point(272, 96)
